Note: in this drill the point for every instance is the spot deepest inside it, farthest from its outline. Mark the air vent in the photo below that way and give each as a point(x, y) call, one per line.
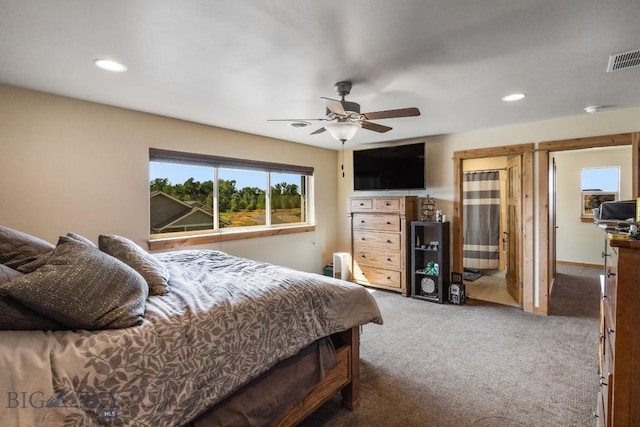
point(624, 60)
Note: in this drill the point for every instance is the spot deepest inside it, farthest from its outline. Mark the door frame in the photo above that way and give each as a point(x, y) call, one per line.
point(527, 261)
point(514, 239)
point(545, 248)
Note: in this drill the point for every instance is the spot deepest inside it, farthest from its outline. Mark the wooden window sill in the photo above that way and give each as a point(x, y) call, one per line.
point(161, 243)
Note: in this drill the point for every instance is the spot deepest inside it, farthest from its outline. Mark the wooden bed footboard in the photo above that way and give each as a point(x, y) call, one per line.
point(344, 376)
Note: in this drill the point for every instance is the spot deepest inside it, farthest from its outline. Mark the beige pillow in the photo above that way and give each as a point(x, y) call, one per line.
point(153, 271)
point(82, 288)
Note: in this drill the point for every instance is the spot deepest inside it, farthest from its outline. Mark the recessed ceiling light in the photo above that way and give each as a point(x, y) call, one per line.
point(109, 65)
point(513, 97)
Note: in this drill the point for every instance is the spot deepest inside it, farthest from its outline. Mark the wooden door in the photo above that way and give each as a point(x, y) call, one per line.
point(514, 228)
point(553, 222)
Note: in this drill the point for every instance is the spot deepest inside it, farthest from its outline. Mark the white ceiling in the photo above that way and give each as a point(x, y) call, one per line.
point(236, 63)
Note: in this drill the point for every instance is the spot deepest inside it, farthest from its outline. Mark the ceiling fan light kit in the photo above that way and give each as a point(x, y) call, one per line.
point(342, 130)
point(345, 119)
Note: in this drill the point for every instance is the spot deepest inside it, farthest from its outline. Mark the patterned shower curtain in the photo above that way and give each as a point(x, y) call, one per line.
point(481, 201)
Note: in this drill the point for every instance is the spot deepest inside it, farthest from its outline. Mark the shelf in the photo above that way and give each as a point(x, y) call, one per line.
point(430, 247)
point(426, 298)
point(422, 273)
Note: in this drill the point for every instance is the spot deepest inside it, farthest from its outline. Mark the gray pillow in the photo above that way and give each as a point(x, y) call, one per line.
point(15, 316)
point(81, 239)
point(32, 266)
point(18, 248)
point(82, 288)
point(153, 271)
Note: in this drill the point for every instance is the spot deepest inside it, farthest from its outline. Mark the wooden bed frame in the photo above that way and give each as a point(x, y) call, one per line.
point(343, 377)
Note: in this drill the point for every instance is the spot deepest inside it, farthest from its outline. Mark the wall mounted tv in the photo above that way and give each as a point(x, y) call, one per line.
point(400, 167)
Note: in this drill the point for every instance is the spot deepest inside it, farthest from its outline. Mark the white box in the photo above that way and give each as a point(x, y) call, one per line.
point(342, 265)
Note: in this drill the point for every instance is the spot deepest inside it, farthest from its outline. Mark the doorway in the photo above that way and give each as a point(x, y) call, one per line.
point(486, 205)
point(518, 208)
point(547, 202)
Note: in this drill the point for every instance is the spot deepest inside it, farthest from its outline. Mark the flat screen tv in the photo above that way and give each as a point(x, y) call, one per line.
point(400, 167)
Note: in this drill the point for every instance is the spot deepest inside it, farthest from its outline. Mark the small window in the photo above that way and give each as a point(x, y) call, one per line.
point(288, 198)
point(598, 185)
point(242, 198)
point(190, 193)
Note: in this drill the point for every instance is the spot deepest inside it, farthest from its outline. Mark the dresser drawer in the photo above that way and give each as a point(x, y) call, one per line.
point(609, 299)
point(387, 205)
point(609, 338)
point(602, 416)
point(375, 258)
point(376, 276)
point(376, 222)
point(388, 241)
point(358, 205)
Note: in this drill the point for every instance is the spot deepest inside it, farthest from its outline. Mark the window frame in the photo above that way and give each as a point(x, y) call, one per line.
point(217, 234)
point(609, 195)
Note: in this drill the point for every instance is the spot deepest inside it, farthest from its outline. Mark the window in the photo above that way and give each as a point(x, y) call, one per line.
point(193, 194)
point(598, 185)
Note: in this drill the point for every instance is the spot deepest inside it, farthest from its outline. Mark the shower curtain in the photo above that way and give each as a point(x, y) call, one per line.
point(481, 201)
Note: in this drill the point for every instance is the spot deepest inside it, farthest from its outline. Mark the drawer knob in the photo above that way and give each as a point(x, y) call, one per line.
point(362, 238)
point(387, 204)
point(604, 297)
point(604, 254)
point(610, 330)
point(388, 241)
point(363, 256)
point(609, 274)
point(389, 259)
point(388, 278)
point(362, 221)
point(388, 222)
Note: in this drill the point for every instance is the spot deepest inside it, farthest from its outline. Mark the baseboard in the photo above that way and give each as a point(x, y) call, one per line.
point(579, 264)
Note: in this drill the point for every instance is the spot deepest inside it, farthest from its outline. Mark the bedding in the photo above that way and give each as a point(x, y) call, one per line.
point(224, 321)
point(15, 316)
point(134, 256)
point(18, 248)
point(82, 287)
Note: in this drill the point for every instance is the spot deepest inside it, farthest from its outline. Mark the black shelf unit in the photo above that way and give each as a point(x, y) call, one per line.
point(430, 271)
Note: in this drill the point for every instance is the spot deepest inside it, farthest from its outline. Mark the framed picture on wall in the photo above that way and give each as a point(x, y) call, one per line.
point(593, 199)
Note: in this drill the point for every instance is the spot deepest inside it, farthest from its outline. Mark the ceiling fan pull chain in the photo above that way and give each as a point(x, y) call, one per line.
point(342, 158)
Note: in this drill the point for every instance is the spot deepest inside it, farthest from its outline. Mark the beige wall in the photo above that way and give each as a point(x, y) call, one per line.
point(68, 165)
point(73, 165)
point(440, 149)
point(579, 241)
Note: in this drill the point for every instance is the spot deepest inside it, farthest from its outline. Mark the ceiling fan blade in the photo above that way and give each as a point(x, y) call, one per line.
point(296, 120)
point(376, 127)
point(317, 131)
point(334, 106)
point(388, 114)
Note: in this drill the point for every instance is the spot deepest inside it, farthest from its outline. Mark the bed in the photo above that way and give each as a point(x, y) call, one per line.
point(213, 335)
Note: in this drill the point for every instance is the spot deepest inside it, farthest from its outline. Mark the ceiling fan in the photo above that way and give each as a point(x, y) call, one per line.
point(345, 119)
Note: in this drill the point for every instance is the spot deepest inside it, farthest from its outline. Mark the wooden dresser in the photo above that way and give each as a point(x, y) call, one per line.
point(379, 236)
point(619, 395)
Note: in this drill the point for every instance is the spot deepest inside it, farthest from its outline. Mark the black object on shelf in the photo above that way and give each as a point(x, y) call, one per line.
point(430, 276)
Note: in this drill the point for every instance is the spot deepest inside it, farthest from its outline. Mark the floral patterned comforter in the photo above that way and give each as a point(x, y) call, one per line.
point(225, 321)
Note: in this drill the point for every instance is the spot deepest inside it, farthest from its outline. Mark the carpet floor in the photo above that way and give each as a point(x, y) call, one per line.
point(479, 364)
